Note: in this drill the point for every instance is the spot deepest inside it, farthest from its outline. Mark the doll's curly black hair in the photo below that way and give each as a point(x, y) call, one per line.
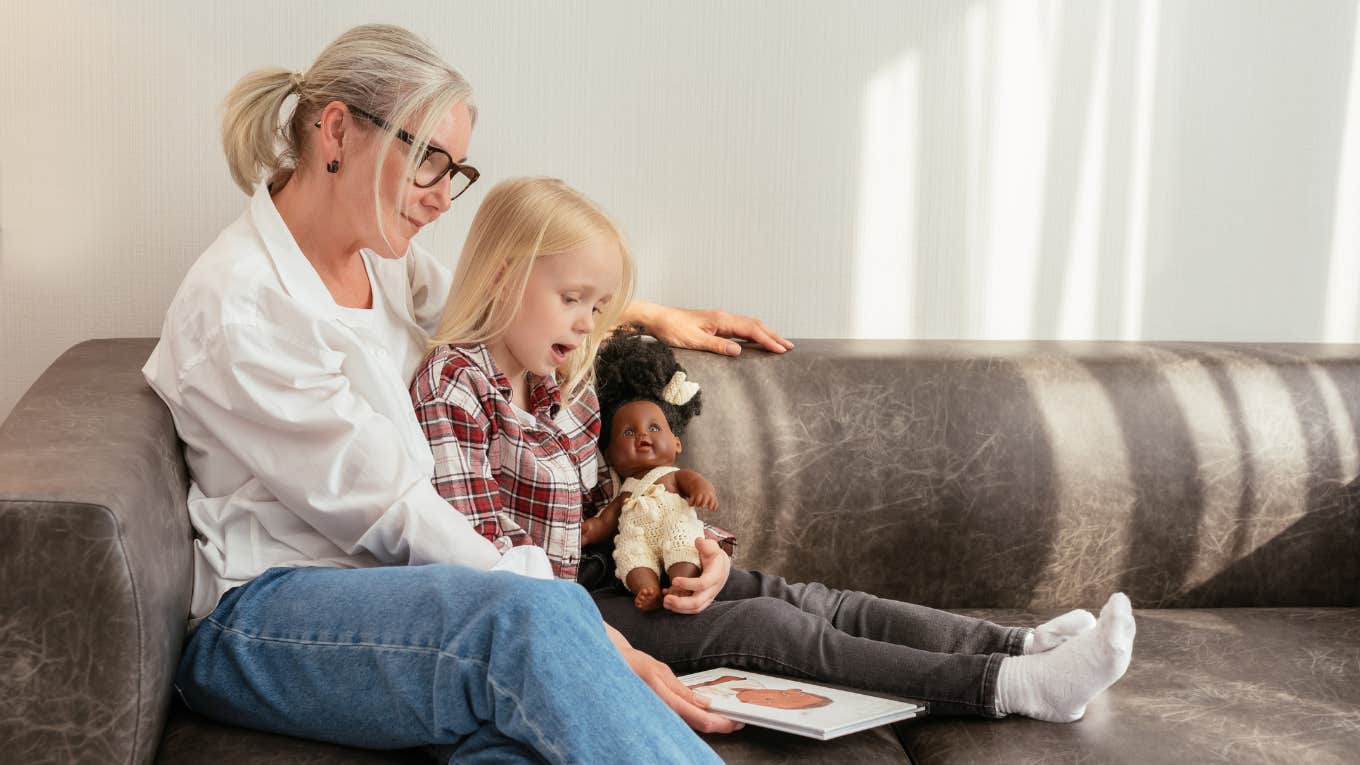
point(633, 367)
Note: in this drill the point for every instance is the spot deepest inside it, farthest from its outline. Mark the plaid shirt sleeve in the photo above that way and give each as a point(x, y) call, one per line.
point(459, 431)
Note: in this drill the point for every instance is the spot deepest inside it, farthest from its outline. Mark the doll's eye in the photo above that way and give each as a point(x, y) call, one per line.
point(628, 432)
point(653, 429)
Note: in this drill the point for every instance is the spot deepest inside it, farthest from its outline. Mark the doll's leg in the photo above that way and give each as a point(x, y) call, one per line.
point(683, 568)
point(645, 585)
point(681, 560)
point(635, 561)
point(891, 621)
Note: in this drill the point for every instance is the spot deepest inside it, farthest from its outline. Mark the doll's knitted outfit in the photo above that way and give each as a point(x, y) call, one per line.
point(654, 524)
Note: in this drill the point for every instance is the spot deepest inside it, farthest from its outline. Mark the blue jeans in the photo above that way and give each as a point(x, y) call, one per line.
point(485, 667)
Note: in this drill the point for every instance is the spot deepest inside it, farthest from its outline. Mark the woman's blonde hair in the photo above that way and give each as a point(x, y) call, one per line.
point(521, 220)
point(382, 69)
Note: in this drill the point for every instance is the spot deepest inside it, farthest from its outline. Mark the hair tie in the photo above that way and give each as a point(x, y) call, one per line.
point(296, 79)
point(679, 390)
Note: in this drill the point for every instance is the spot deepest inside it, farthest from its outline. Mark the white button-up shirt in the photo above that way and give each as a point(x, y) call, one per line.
point(302, 444)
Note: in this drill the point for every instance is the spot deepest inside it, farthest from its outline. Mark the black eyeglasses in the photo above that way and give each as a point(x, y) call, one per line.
point(434, 165)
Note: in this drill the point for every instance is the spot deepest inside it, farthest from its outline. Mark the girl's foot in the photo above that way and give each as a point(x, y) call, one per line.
point(1055, 632)
point(1058, 684)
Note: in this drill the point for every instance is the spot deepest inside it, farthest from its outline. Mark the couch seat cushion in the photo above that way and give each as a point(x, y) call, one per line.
point(1231, 685)
point(190, 738)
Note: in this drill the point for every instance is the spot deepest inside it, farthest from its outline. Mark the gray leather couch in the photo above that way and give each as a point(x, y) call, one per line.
point(1215, 484)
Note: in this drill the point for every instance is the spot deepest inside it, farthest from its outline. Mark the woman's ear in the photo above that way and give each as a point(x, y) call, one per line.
point(332, 134)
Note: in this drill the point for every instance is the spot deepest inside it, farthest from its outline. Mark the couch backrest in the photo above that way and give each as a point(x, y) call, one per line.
point(1041, 475)
point(94, 561)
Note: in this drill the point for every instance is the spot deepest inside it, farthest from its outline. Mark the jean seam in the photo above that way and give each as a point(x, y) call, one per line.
point(543, 741)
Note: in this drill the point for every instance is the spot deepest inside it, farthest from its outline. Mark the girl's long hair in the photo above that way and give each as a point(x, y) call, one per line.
point(521, 220)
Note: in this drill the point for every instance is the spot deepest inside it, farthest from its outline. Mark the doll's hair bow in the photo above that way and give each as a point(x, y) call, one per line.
point(679, 390)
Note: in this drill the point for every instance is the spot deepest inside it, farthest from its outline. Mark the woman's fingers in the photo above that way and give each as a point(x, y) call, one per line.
point(691, 707)
point(710, 331)
point(704, 588)
point(752, 329)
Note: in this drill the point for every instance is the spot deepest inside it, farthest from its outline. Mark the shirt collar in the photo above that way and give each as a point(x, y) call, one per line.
point(545, 398)
point(299, 278)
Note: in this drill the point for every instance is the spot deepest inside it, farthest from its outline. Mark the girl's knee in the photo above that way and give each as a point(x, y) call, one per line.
point(774, 615)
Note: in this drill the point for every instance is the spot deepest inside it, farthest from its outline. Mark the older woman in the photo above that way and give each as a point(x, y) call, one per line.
point(336, 597)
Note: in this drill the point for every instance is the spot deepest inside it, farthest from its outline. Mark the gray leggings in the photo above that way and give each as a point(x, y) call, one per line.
point(764, 624)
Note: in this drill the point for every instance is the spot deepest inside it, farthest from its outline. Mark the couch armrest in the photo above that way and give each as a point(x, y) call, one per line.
point(95, 566)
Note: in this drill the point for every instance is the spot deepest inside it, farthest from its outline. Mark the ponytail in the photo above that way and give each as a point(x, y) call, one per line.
point(251, 135)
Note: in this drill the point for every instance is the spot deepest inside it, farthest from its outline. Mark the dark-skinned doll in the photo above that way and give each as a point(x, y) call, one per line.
point(645, 404)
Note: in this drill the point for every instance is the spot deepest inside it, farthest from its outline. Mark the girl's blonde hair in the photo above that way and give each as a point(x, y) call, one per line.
point(382, 69)
point(521, 220)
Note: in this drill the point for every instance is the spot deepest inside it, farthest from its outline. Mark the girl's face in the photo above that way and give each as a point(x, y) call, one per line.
point(404, 208)
point(564, 295)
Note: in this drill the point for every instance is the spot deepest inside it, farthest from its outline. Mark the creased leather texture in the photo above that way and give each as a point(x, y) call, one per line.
point(1040, 475)
point(94, 561)
point(1232, 686)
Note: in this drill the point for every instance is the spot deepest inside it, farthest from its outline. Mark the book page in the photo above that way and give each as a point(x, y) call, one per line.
point(788, 703)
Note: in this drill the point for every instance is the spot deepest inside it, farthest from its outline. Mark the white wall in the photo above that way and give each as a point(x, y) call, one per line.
point(1143, 169)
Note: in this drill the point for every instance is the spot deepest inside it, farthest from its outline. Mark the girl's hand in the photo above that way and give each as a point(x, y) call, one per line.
point(705, 587)
point(692, 707)
point(704, 330)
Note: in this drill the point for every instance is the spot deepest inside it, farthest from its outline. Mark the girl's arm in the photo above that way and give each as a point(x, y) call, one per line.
point(702, 330)
point(697, 489)
point(458, 430)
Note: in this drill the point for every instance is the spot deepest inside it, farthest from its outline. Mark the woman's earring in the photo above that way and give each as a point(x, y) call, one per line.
point(333, 166)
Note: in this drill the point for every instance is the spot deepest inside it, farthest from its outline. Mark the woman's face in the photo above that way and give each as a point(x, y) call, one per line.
point(404, 208)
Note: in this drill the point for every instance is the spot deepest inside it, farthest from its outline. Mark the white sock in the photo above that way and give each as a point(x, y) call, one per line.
point(1055, 632)
point(1057, 685)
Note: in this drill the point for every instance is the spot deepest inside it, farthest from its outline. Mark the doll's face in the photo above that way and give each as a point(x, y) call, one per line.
point(640, 438)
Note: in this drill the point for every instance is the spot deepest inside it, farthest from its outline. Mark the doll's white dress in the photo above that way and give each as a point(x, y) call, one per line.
point(655, 525)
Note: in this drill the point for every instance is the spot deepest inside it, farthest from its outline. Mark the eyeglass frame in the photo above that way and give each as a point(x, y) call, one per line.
point(468, 171)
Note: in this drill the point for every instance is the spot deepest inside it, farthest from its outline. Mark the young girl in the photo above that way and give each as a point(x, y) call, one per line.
point(508, 405)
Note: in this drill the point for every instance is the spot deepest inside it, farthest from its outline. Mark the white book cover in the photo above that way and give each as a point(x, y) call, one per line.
point(796, 706)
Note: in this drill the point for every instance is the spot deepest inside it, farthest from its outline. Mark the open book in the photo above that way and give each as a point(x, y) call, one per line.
point(796, 706)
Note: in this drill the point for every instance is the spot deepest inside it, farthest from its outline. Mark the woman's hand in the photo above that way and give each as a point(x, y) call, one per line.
point(692, 707)
point(703, 330)
point(704, 588)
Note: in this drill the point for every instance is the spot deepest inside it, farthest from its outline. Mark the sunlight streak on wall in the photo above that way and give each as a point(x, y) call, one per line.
point(1077, 320)
point(1024, 49)
point(885, 263)
point(976, 216)
point(1135, 263)
point(1342, 319)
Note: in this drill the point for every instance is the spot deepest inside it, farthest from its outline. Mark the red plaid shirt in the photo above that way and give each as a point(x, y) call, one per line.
point(520, 477)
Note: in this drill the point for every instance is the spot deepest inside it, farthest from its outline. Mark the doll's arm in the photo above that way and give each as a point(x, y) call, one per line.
point(697, 489)
point(604, 525)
